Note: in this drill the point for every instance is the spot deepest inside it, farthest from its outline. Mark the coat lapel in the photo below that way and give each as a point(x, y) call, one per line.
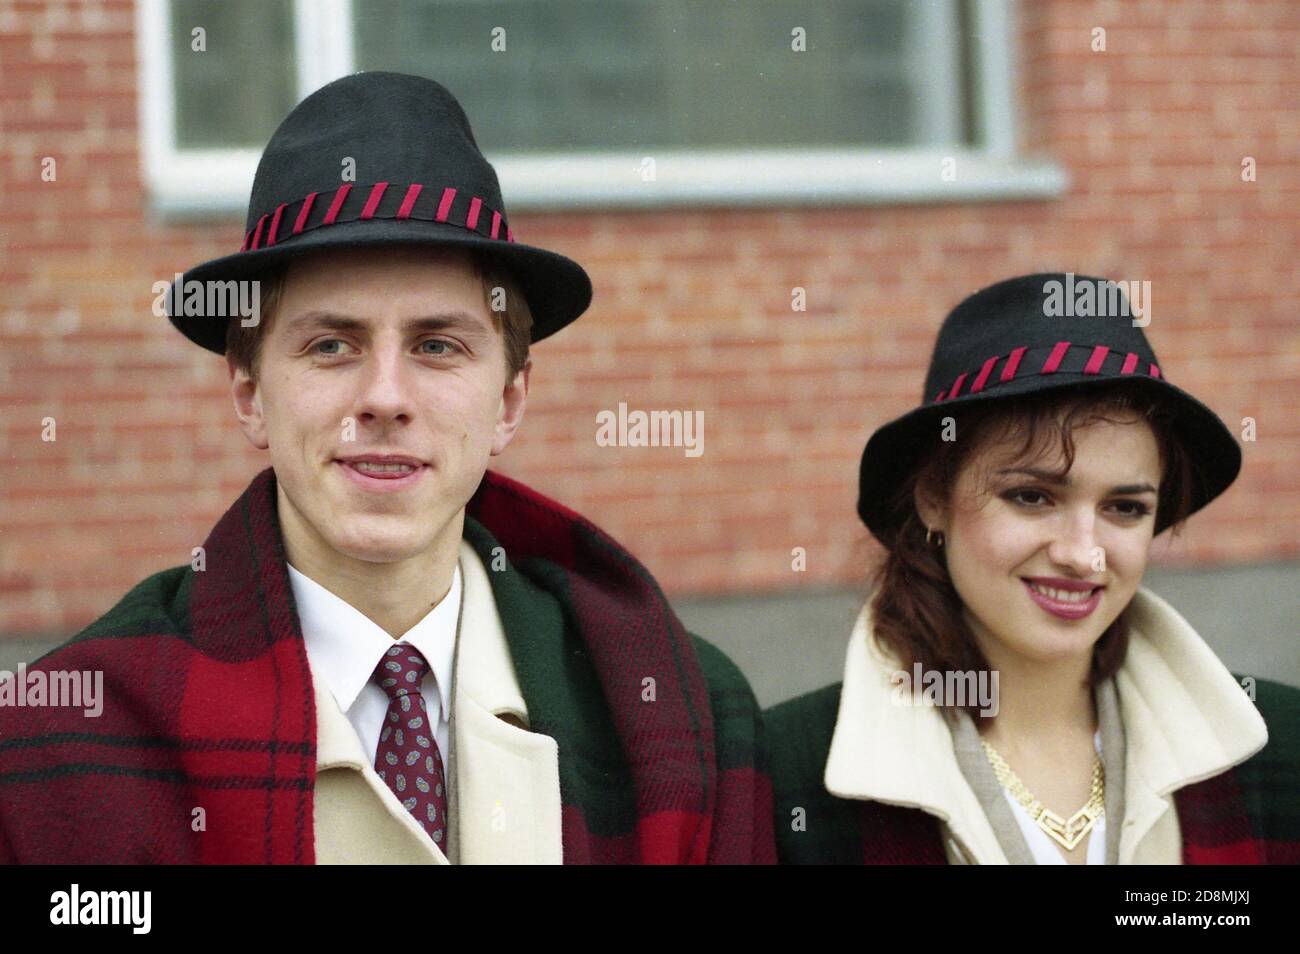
point(1185, 719)
point(901, 754)
point(358, 819)
point(506, 800)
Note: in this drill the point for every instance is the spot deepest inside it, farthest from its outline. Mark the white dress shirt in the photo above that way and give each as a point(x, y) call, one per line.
point(1046, 851)
point(345, 646)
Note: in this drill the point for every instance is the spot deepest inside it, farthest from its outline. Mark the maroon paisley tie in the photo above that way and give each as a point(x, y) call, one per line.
point(407, 757)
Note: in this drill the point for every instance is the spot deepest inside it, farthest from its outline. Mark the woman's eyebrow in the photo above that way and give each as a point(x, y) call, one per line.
point(1045, 476)
point(1064, 481)
point(1133, 489)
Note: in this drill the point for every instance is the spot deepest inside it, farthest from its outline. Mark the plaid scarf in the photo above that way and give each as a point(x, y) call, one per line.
point(205, 750)
point(1246, 815)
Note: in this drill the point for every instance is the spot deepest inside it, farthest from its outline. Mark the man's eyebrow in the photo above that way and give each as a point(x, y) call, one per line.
point(333, 321)
point(1064, 481)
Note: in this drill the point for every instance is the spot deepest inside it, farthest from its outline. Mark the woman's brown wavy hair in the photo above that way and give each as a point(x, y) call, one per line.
point(916, 611)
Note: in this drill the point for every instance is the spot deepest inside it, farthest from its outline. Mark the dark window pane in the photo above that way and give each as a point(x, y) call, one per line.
point(620, 74)
point(236, 91)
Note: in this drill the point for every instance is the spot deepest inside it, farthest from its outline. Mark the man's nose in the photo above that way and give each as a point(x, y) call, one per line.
point(386, 382)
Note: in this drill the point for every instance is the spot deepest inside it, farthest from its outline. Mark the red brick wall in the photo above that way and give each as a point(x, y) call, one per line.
point(692, 311)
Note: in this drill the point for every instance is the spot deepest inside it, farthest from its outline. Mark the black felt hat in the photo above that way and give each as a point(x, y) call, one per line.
point(420, 180)
point(1028, 335)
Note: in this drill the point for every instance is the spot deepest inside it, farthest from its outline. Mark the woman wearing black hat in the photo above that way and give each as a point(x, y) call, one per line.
point(1011, 694)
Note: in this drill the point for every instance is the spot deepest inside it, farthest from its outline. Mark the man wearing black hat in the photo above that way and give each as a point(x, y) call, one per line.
point(384, 652)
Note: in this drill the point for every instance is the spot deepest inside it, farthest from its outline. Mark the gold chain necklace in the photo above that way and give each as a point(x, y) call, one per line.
point(1066, 832)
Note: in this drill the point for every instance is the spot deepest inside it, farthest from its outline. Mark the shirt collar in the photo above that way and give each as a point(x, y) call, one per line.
point(345, 645)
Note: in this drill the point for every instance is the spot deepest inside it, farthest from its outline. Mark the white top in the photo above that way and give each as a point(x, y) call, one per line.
point(344, 646)
point(1048, 852)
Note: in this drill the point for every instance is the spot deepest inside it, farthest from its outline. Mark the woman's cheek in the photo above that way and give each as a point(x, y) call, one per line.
point(1125, 561)
point(998, 541)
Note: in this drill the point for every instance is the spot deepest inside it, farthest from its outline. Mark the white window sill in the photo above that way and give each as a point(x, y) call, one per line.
point(217, 184)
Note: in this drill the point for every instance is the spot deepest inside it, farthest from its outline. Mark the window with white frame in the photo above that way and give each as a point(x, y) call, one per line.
point(615, 102)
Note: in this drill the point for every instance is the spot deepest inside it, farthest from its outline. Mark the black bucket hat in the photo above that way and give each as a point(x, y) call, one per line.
point(421, 180)
point(1029, 335)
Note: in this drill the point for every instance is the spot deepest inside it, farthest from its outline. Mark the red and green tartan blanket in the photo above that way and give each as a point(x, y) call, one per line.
point(208, 703)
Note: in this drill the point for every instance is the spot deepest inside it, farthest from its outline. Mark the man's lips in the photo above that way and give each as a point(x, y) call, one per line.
point(381, 459)
point(381, 481)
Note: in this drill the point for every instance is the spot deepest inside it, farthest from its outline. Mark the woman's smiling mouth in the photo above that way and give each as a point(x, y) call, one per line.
point(1066, 599)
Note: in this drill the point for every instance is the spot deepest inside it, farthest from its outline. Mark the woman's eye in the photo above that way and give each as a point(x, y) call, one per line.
point(1135, 508)
point(1019, 497)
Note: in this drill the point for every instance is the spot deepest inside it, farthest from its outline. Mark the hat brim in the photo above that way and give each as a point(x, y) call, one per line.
point(896, 448)
point(557, 288)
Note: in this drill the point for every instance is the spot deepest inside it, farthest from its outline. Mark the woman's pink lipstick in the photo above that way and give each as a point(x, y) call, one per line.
point(1061, 608)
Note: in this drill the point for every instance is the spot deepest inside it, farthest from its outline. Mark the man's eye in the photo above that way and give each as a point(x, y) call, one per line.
point(444, 347)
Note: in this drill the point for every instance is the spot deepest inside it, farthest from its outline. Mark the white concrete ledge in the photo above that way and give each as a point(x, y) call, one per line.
point(217, 184)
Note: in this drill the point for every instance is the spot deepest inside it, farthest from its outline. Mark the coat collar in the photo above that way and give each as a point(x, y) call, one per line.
point(899, 754)
point(506, 801)
point(484, 673)
point(502, 771)
point(1185, 719)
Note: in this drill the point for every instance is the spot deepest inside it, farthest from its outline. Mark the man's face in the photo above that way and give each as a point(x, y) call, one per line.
point(1002, 529)
point(379, 352)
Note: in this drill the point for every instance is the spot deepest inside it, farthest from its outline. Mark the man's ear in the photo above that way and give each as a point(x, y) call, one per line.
point(248, 405)
point(928, 508)
point(510, 413)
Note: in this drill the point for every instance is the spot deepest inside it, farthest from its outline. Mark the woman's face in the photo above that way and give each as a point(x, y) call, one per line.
point(1045, 565)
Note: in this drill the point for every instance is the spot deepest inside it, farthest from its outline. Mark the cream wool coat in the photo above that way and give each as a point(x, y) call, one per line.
point(504, 798)
point(1185, 719)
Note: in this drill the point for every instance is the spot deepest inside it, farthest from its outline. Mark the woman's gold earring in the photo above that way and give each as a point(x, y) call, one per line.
point(928, 541)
